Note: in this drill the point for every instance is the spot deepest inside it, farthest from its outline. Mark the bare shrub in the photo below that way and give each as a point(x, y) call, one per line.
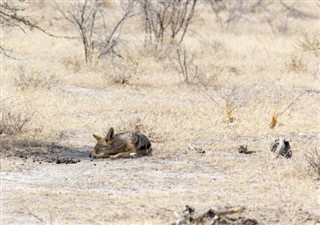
point(276, 114)
point(91, 19)
point(120, 72)
point(228, 102)
point(34, 79)
point(185, 65)
point(182, 60)
point(279, 15)
point(166, 24)
point(278, 24)
point(231, 12)
point(313, 160)
point(166, 20)
point(13, 122)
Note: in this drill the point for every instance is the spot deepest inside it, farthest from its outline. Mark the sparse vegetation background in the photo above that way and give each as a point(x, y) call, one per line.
point(199, 78)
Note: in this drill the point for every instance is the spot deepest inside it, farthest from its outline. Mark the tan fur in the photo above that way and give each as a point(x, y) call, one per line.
point(121, 145)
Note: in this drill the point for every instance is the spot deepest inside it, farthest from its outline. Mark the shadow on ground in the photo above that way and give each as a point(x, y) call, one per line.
point(41, 151)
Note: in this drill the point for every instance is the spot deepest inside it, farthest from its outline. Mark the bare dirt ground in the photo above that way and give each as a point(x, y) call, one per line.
point(154, 190)
point(254, 73)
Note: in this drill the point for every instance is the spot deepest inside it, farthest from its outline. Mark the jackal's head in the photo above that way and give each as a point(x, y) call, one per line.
point(105, 146)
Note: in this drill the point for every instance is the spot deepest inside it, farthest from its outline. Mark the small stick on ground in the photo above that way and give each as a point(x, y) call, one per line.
point(34, 215)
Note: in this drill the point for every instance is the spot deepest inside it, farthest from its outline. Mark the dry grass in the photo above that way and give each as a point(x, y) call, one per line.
point(313, 159)
point(13, 122)
point(255, 75)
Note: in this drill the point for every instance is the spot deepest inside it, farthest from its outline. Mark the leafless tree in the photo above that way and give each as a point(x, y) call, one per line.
point(182, 60)
point(166, 19)
point(89, 18)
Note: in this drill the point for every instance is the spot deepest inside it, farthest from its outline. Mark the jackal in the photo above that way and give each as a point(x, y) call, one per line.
point(122, 145)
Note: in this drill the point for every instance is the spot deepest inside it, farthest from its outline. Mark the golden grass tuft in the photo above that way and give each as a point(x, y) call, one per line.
point(229, 111)
point(274, 120)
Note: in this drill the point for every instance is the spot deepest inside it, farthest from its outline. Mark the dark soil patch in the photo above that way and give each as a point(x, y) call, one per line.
point(41, 152)
point(56, 160)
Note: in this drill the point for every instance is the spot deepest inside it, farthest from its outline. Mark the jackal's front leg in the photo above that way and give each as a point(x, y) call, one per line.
point(123, 155)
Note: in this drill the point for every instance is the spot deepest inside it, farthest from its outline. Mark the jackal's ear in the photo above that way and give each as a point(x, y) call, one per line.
point(110, 134)
point(98, 138)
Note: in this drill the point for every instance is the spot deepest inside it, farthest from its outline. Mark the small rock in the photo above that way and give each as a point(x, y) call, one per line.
point(243, 149)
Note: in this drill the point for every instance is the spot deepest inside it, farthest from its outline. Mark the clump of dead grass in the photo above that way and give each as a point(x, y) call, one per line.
point(313, 160)
point(229, 111)
point(310, 43)
point(121, 72)
point(72, 63)
point(231, 102)
point(34, 79)
point(275, 116)
point(296, 64)
point(12, 122)
point(139, 125)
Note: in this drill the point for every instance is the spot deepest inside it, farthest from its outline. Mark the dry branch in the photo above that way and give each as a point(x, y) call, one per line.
point(276, 115)
point(86, 17)
point(212, 98)
point(167, 20)
point(10, 17)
